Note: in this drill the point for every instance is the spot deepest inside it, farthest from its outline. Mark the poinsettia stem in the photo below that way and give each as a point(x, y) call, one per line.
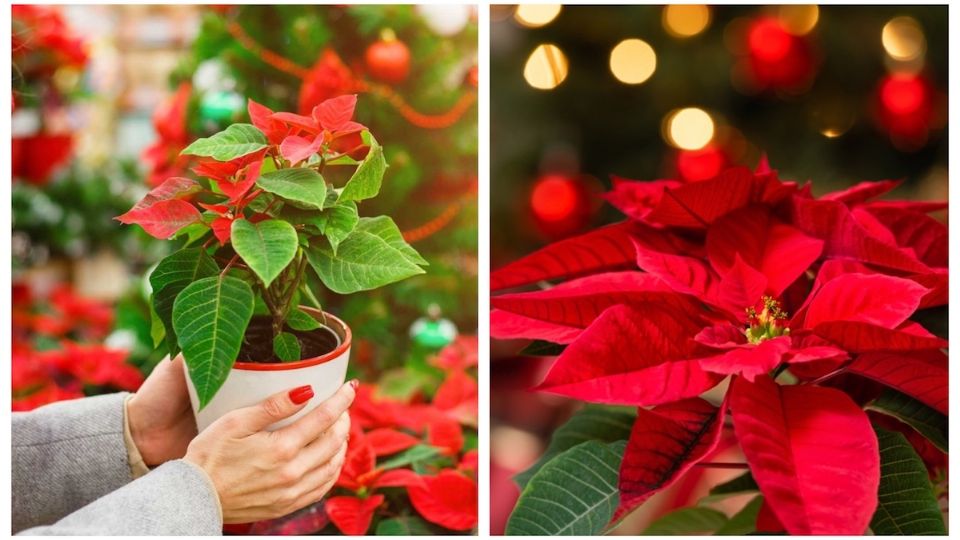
point(722, 465)
point(833, 373)
point(229, 265)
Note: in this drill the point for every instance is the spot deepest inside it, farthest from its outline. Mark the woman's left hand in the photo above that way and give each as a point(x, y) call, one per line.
point(160, 417)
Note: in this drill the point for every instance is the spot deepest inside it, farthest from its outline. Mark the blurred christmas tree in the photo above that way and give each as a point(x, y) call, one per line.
point(836, 94)
point(415, 71)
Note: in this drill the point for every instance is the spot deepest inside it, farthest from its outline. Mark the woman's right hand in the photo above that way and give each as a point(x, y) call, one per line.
point(267, 474)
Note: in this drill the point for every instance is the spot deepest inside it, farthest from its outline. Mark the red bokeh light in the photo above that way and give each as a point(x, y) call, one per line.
point(903, 94)
point(700, 164)
point(554, 198)
point(769, 40)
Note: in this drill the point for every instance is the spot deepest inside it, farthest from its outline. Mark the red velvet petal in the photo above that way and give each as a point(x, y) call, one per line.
point(923, 376)
point(920, 233)
point(665, 443)
point(603, 249)
point(688, 275)
point(352, 515)
point(360, 461)
point(872, 298)
point(861, 337)
point(778, 251)
point(335, 113)
point(449, 500)
point(386, 441)
point(171, 188)
point(163, 218)
point(813, 453)
point(221, 229)
point(632, 356)
point(741, 287)
point(861, 192)
point(295, 148)
point(637, 198)
point(844, 237)
point(748, 360)
point(445, 435)
point(506, 325)
point(398, 478)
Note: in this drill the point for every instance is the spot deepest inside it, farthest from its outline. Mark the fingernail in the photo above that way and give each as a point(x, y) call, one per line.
point(354, 383)
point(301, 394)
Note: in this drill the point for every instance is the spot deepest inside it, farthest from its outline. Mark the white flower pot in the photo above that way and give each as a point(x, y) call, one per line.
point(250, 383)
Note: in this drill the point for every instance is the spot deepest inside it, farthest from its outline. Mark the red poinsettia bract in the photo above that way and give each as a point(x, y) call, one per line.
point(744, 276)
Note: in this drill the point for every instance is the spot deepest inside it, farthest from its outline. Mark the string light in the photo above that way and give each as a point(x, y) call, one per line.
point(546, 67)
point(689, 129)
point(536, 15)
point(633, 61)
point(903, 39)
point(799, 19)
point(683, 21)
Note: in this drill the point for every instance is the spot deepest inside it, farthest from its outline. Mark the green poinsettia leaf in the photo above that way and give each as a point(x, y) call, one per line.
point(158, 332)
point(337, 222)
point(286, 347)
point(542, 348)
point(373, 255)
point(210, 317)
point(603, 423)
point(302, 187)
point(302, 321)
point(906, 504)
point(404, 526)
point(410, 456)
point(744, 521)
point(365, 182)
point(267, 247)
point(687, 521)
point(236, 141)
point(575, 493)
point(173, 274)
point(927, 421)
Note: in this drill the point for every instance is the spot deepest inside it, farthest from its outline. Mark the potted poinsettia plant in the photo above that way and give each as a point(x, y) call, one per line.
point(741, 323)
point(275, 199)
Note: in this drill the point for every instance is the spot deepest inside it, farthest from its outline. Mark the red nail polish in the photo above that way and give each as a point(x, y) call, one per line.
point(355, 383)
point(301, 394)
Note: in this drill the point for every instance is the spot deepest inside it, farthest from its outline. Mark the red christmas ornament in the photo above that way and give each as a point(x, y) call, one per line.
point(388, 59)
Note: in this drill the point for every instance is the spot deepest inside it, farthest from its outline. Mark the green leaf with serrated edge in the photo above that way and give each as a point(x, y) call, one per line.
point(210, 317)
point(366, 180)
point(687, 521)
point(542, 348)
point(337, 222)
point(927, 421)
point(172, 275)
point(414, 454)
point(575, 493)
point(286, 347)
point(373, 255)
point(404, 526)
point(302, 187)
point(299, 320)
point(744, 521)
point(236, 141)
point(267, 247)
point(602, 423)
point(906, 504)
point(737, 486)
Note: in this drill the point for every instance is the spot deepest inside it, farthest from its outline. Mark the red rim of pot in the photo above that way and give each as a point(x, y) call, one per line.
point(316, 360)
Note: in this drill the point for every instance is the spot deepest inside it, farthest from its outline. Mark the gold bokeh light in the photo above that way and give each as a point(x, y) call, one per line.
point(633, 61)
point(799, 19)
point(546, 67)
point(536, 15)
point(689, 129)
point(687, 20)
point(903, 39)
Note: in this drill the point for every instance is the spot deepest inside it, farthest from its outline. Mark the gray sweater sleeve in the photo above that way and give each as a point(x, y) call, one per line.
point(71, 475)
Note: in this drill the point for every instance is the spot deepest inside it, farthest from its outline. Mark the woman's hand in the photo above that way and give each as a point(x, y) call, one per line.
point(262, 474)
point(159, 414)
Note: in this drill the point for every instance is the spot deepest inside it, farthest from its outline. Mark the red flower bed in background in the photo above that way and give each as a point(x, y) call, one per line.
point(57, 350)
